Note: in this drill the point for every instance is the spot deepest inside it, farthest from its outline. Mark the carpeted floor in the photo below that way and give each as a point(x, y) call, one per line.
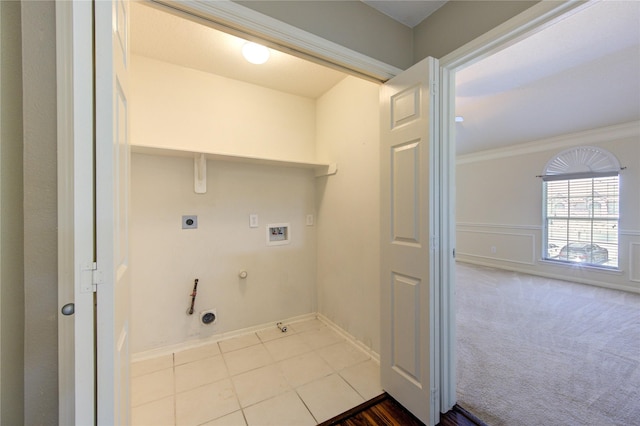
point(538, 351)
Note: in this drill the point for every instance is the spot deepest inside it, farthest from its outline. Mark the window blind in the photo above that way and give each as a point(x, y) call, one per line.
point(581, 219)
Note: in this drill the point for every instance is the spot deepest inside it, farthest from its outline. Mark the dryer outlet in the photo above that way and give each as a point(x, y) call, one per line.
point(208, 317)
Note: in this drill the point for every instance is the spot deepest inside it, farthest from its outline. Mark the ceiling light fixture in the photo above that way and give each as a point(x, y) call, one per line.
point(255, 53)
point(459, 119)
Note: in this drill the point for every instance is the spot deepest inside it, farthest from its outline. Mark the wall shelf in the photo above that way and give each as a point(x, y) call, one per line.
point(321, 169)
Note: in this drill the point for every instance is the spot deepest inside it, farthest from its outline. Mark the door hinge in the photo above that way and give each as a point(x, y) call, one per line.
point(435, 396)
point(91, 285)
point(454, 253)
point(97, 277)
point(434, 243)
point(434, 88)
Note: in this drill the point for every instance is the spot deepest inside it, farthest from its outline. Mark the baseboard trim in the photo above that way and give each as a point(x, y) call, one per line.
point(195, 343)
point(191, 344)
point(335, 327)
point(552, 276)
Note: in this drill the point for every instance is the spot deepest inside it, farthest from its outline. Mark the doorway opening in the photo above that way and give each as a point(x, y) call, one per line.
point(499, 216)
point(270, 135)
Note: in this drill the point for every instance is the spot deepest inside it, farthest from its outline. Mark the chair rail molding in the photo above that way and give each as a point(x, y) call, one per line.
point(498, 225)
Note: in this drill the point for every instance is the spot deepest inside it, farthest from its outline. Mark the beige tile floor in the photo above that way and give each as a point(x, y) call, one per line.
point(302, 377)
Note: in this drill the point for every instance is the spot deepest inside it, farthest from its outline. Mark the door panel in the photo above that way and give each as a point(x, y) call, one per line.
point(405, 106)
point(405, 163)
point(405, 316)
point(408, 359)
point(112, 209)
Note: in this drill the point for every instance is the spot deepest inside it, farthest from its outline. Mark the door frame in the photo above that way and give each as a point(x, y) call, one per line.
point(76, 253)
point(239, 20)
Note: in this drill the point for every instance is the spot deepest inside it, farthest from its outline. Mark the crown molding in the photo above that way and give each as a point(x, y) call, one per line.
point(594, 136)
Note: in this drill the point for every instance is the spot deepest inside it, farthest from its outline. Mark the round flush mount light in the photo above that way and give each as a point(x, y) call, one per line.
point(255, 53)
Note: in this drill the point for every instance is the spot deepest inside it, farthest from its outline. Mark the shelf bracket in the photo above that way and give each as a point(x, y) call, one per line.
point(200, 173)
point(329, 170)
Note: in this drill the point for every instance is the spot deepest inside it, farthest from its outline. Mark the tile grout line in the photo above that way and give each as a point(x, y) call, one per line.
point(175, 393)
point(274, 363)
point(349, 383)
point(306, 406)
point(233, 386)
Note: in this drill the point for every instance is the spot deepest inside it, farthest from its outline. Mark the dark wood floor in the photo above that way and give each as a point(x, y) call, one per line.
point(458, 416)
point(384, 410)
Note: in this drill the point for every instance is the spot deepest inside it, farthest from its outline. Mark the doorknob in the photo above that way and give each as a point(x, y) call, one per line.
point(68, 309)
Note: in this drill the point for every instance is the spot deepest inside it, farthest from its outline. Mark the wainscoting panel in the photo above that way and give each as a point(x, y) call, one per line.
point(498, 244)
point(634, 262)
point(518, 248)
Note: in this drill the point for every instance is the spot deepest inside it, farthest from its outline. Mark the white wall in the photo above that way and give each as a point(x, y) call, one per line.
point(330, 268)
point(349, 209)
point(178, 107)
point(166, 259)
point(458, 22)
point(499, 204)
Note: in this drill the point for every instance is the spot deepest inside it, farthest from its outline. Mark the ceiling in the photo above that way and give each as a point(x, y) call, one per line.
point(578, 74)
point(409, 13)
point(160, 35)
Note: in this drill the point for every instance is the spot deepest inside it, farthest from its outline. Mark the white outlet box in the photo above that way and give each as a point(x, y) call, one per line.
point(253, 221)
point(309, 220)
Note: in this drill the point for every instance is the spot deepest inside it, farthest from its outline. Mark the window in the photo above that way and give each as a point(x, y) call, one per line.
point(581, 203)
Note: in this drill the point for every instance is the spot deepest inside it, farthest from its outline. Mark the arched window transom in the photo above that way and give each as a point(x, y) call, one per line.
point(584, 159)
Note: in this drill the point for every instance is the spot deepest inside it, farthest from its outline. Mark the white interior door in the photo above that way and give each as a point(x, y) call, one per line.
point(408, 359)
point(112, 210)
point(76, 219)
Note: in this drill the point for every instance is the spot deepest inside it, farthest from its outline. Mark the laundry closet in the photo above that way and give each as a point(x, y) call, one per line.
point(269, 199)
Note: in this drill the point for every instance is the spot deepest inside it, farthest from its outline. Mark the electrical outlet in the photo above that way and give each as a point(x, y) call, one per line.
point(189, 222)
point(253, 221)
point(309, 220)
point(493, 249)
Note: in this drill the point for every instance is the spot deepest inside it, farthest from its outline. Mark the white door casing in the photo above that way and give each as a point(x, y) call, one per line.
point(112, 210)
point(409, 255)
point(76, 220)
